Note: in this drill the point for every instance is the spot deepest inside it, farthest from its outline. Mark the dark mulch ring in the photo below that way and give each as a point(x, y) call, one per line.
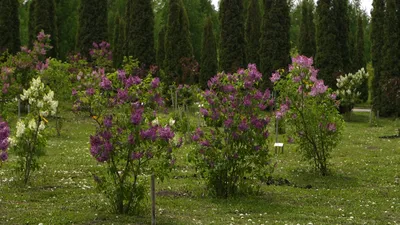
point(390, 137)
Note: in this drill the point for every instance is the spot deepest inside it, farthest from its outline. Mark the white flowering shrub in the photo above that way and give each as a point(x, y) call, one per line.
point(349, 86)
point(30, 138)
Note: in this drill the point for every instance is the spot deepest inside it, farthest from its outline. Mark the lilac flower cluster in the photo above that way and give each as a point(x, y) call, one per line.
point(27, 60)
point(234, 102)
point(101, 50)
point(101, 146)
point(4, 140)
point(234, 96)
point(155, 132)
point(304, 76)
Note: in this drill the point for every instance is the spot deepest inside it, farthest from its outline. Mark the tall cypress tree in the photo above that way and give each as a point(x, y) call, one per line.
point(67, 16)
point(341, 19)
point(275, 41)
point(232, 43)
point(252, 32)
point(31, 24)
point(92, 25)
point(45, 19)
point(377, 46)
point(209, 63)
point(161, 47)
point(9, 26)
point(327, 57)
point(307, 29)
point(359, 58)
point(177, 41)
point(391, 65)
point(118, 42)
point(140, 31)
point(392, 33)
point(264, 39)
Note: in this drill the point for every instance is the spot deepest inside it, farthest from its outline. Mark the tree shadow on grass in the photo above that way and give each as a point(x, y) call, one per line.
point(358, 118)
point(335, 180)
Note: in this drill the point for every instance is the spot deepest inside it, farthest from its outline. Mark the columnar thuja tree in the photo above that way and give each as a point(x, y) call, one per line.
point(31, 24)
point(45, 20)
point(307, 29)
point(327, 57)
point(232, 43)
point(9, 26)
point(92, 26)
point(209, 61)
point(391, 69)
point(161, 47)
point(118, 42)
point(253, 32)
point(341, 20)
point(140, 31)
point(129, 140)
point(309, 107)
point(359, 58)
point(234, 145)
point(275, 41)
point(264, 41)
point(377, 53)
point(177, 41)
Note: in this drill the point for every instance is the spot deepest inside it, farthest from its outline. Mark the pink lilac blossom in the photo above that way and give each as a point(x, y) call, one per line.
point(303, 61)
point(136, 116)
point(132, 80)
point(318, 88)
point(149, 134)
point(122, 95)
point(243, 126)
point(90, 91)
point(204, 111)
point(331, 127)
point(228, 123)
point(105, 83)
point(155, 82)
point(275, 77)
point(108, 121)
point(136, 155)
point(121, 75)
point(166, 133)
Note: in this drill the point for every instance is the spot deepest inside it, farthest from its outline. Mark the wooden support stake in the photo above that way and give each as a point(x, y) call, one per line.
point(153, 201)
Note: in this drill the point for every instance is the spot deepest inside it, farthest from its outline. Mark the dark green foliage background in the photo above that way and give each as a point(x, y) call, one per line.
point(9, 26)
point(92, 25)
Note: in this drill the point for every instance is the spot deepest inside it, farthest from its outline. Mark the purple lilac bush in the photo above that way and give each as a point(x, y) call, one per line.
point(310, 109)
point(235, 144)
point(126, 140)
point(4, 140)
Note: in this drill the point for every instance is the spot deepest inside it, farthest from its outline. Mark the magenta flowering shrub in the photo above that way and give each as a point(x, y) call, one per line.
point(17, 71)
point(235, 143)
point(309, 107)
point(101, 55)
point(127, 140)
point(4, 140)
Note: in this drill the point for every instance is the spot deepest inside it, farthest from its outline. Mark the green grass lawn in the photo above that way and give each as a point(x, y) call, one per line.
point(363, 188)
